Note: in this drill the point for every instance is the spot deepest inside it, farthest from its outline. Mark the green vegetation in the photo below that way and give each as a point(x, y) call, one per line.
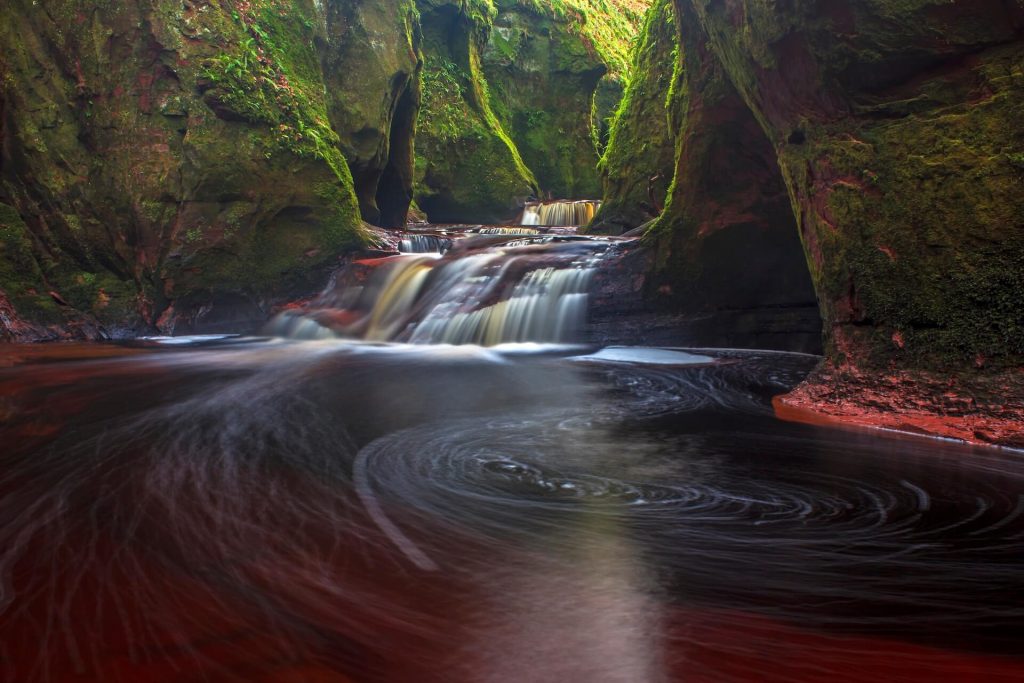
point(909, 206)
point(272, 76)
point(639, 163)
point(467, 167)
point(512, 83)
point(920, 218)
point(609, 27)
point(20, 278)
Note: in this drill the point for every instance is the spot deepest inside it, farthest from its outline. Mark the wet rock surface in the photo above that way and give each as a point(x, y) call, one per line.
point(869, 146)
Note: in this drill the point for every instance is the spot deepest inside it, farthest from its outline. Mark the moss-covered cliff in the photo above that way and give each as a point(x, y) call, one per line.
point(727, 239)
point(171, 165)
point(887, 138)
point(159, 159)
point(371, 66)
point(894, 129)
point(510, 94)
point(542, 81)
point(467, 167)
point(639, 161)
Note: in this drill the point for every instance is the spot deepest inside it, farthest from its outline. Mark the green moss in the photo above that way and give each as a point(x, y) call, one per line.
point(271, 75)
point(467, 167)
point(608, 27)
point(20, 277)
point(640, 157)
point(924, 222)
point(178, 166)
point(523, 74)
point(27, 283)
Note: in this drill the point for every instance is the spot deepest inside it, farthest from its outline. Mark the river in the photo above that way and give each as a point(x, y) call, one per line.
point(271, 509)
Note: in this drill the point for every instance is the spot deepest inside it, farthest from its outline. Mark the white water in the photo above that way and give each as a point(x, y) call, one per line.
point(527, 290)
point(424, 244)
point(548, 305)
point(560, 213)
point(508, 231)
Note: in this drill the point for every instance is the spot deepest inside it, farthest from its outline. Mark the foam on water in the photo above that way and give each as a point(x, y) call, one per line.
point(645, 356)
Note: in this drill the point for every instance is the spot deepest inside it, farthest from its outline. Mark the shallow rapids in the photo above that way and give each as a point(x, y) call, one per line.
point(500, 285)
point(244, 509)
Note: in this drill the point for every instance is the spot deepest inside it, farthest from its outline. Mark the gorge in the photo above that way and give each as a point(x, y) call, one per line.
point(494, 340)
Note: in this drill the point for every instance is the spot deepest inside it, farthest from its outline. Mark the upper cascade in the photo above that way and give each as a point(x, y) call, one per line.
point(561, 213)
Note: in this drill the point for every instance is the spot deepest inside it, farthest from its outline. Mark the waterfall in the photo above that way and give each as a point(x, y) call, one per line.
point(521, 291)
point(560, 213)
point(508, 231)
point(547, 305)
point(413, 243)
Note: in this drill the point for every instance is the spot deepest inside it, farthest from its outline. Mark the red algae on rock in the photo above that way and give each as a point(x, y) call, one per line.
point(986, 409)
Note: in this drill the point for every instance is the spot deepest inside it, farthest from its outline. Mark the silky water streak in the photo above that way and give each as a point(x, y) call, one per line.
point(560, 213)
point(527, 290)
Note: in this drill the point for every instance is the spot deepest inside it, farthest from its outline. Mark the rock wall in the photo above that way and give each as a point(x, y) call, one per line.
point(163, 163)
point(885, 136)
point(514, 97)
point(371, 64)
point(542, 79)
point(467, 167)
point(639, 162)
point(897, 127)
point(727, 240)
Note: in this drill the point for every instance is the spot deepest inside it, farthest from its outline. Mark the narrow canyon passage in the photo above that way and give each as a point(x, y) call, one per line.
point(512, 341)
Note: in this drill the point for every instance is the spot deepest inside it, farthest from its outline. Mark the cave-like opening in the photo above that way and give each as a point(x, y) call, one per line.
point(395, 187)
point(737, 256)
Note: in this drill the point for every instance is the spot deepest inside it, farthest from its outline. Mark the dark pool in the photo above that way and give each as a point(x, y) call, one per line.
point(256, 510)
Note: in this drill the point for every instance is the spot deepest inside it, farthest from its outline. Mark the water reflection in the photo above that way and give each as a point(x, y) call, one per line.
point(269, 510)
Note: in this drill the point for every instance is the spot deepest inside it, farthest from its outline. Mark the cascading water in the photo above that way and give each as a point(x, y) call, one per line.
point(532, 289)
point(507, 231)
point(560, 213)
point(413, 243)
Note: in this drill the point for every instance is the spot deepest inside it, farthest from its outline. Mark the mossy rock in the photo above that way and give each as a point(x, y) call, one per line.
point(639, 162)
point(467, 167)
point(508, 101)
point(120, 120)
point(896, 128)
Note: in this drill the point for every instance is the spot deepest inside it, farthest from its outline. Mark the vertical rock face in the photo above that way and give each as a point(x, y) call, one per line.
point(727, 239)
point(467, 167)
point(371, 64)
point(511, 89)
point(898, 131)
point(160, 159)
point(894, 131)
point(639, 163)
point(542, 79)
